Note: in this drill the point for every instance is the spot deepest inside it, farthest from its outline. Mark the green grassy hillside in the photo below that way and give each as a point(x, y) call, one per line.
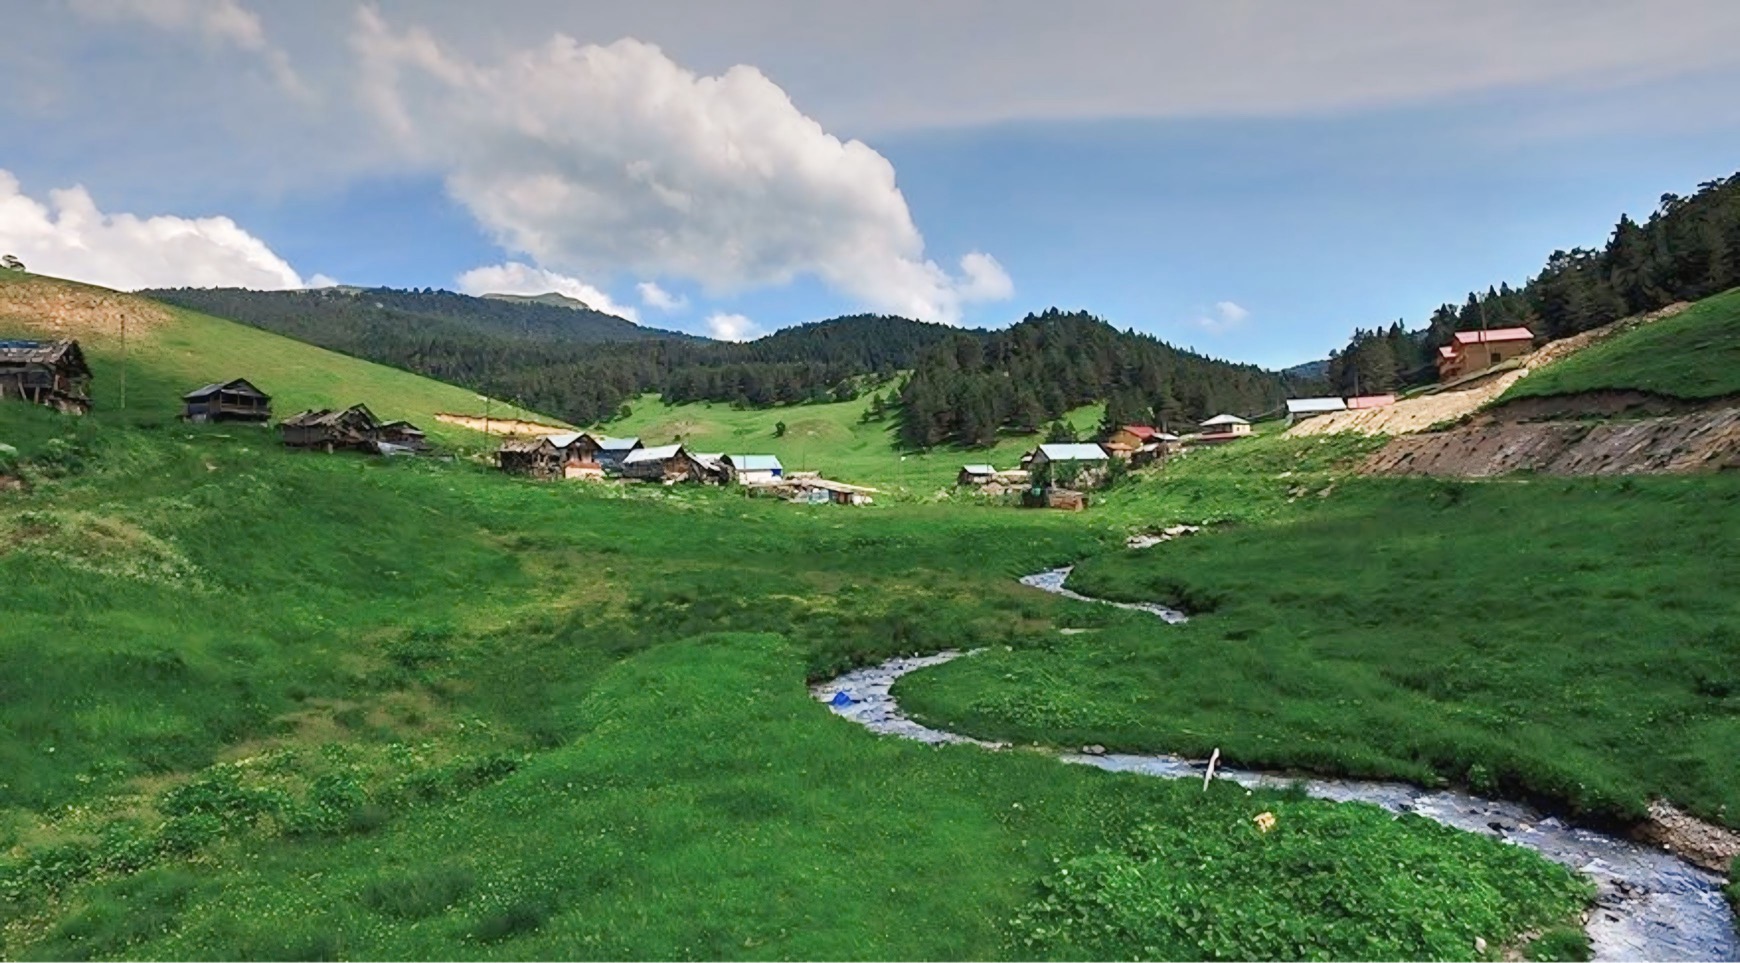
point(1692, 355)
point(831, 438)
point(271, 706)
point(170, 351)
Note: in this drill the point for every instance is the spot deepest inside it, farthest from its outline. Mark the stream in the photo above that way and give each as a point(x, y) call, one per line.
point(1650, 904)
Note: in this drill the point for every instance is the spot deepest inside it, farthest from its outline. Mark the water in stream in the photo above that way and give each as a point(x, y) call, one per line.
point(1651, 905)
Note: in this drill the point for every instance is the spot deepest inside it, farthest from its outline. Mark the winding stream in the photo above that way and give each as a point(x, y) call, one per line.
point(1650, 904)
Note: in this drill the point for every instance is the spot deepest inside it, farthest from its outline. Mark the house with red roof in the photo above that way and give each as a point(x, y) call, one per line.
point(1472, 351)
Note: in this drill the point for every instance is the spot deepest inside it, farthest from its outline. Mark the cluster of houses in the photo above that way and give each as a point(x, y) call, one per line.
point(585, 456)
point(1050, 474)
point(352, 429)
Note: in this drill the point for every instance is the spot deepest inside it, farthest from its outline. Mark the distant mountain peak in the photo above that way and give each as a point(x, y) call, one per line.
point(548, 297)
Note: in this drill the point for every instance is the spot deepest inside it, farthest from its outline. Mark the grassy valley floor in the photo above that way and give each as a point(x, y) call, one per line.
point(274, 705)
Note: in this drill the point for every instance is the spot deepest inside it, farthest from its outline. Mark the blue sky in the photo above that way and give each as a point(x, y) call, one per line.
point(1237, 195)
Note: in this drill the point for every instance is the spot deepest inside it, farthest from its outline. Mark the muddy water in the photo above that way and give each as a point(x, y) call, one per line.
point(1651, 905)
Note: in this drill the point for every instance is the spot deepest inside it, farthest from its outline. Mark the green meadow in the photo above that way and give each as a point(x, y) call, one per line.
point(164, 361)
point(273, 705)
point(1693, 355)
point(833, 438)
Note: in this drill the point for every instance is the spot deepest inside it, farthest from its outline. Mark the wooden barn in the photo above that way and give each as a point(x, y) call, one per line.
point(353, 427)
point(52, 373)
point(535, 457)
point(236, 400)
point(402, 434)
point(665, 463)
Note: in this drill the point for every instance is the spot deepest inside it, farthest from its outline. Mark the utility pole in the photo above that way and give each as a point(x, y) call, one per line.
point(123, 359)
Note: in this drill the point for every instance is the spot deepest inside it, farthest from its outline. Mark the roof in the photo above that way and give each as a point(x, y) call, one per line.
point(523, 444)
point(402, 425)
point(710, 459)
point(1143, 432)
point(1496, 334)
point(1165, 436)
point(1073, 452)
point(1446, 352)
point(660, 453)
point(563, 439)
point(754, 462)
point(979, 469)
point(326, 416)
point(1371, 401)
point(1313, 406)
point(239, 385)
point(41, 352)
point(836, 486)
point(1219, 420)
point(616, 444)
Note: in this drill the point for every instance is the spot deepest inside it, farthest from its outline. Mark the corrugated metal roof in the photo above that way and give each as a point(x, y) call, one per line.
point(1496, 334)
point(615, 444)
point(563, 439)
point(239, 385)
point(34, 352)
point(1314, 406)
point(755, 462)
point(660, 453)
point(1219, 420)
point(1074, 452)
point(979, 469)
point(1141, 431)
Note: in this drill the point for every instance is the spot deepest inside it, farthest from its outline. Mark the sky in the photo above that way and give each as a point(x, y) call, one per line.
point(1250, 178)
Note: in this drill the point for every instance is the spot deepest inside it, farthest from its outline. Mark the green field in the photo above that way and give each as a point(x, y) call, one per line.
point(1692, 355)
point(831, 438)
point(1574, 642)
point(165, 362)
point(268, 705)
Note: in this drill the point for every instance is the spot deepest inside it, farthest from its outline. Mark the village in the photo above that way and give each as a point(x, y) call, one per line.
point(1054, 475)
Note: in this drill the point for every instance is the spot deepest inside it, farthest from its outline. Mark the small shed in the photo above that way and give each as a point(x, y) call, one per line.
point(752, 469)
point(236, 400)
point(353, 427)
point(975, 475)
point(51, 373)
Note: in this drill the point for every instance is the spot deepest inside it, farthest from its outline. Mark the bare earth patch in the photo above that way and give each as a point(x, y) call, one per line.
point(63, 309)
point(502, 426)
point(1705, 844)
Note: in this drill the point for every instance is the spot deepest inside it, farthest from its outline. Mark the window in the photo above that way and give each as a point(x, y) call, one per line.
point(1496, 358)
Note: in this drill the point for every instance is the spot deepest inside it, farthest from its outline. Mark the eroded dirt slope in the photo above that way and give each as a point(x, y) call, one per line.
point(1698, 441)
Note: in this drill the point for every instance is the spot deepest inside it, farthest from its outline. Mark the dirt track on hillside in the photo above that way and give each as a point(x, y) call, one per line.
point(1701, 441)
point(502, 426)
point(46, 307)
point(1420, 413)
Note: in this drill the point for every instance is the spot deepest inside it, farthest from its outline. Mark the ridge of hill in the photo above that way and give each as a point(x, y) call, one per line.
point(168, 351)
point(552, 298)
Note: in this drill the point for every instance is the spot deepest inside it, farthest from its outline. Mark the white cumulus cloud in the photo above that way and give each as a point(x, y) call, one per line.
point(517, 278)
point(70, 237)
point(654, 296)
point(223, 22)
point(732, 327)
point(591, 159)
point(1226, 316)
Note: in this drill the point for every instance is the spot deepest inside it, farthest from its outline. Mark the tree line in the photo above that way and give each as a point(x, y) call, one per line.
point(975, 385)
point(1688, 248)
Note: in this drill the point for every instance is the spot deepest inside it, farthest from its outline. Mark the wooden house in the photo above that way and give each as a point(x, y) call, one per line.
point(353, 427)
point(1222, 428)
point(1473, 351)
point(402, 434)
point(533, 457)
point(51, 373)
point(664, 463)
point(713, 463)
point(604, 450)
point(1084, 463)
point(236, 400)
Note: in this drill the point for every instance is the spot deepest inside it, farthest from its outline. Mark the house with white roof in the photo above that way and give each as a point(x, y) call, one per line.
point(1299, 409)
point(1223, 428)
point(752, 469)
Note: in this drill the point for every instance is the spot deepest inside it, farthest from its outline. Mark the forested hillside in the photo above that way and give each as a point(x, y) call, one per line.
point(966, 389)
point(572, 362)
point(1688, 249)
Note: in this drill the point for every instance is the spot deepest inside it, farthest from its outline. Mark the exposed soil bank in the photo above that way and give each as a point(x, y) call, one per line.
point(501, 426)
point(1704, 441)
point(1650, 904)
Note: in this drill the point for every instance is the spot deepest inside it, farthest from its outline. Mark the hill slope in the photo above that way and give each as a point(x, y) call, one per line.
point(1692, 355)
point(170, 351)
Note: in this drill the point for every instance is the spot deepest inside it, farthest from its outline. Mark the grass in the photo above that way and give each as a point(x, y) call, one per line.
point(1573, 642)
point(192, 349)
point(1692, 355)
point(264, 705)
point(832, 438)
